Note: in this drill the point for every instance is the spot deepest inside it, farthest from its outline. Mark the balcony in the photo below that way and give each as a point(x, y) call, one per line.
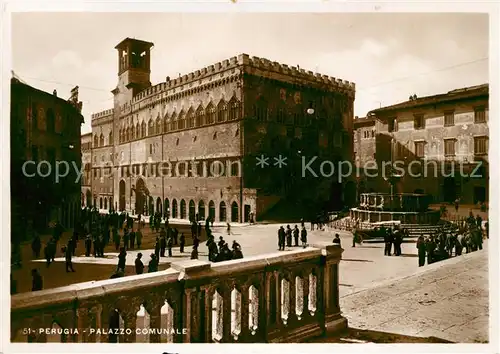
point(279, 297)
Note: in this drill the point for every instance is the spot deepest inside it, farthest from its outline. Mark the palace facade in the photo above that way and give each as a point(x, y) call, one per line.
point(447, 134)
point(189, 145)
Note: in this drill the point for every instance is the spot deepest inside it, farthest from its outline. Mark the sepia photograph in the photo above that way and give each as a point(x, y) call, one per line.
point(249, 177)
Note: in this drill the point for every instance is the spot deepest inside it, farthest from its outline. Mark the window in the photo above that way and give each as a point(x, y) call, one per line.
point(480, 145)
point(190, 119)
point(393, 125)
point(261, 110)
point(479, 115)
point(419, 121)
point(280, 118)
point(449, 147)
point(211, 114)
point(150, 149)
point(200, 117)
point(222, 113)
point(234, 112)
point(449, 118)
point(419, 148)
point(182, 121)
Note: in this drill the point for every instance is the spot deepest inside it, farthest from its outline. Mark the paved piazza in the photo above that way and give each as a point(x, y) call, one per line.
point(361, 268)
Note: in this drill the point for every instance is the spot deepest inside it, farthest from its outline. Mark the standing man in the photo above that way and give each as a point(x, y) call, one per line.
point(132, 238)
point(288, 236)
point(281, 238)
point(182, 242)
point(421, 250)
point(398, 240)
point(296, 236)
point(139, 266)
point(303, 236)
point(37, 281)
point(36, 246)
point(68, 253)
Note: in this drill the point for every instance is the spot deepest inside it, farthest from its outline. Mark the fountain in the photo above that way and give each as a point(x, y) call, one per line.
point(404, 208)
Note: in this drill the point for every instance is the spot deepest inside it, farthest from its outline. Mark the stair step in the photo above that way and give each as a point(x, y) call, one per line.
point(353, 340)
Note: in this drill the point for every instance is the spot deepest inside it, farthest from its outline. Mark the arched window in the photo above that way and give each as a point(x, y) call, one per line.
point(200, 116)
point(51, 121)
point(222, 112)
point(183, 209)
point(260, 110)
point(211, 210)
point(222, 211)
point(143, 129)
point(127, 134)
point(132, 132)
point(151, 128)
point(192, 210)
point(234, 212)
point(174, 209)
point(96, 141)
point(137, 131)
point(105, 203)
point(190, 119)
point(211, 113)
point(101, 140)
point(111, 138)
point(201, 210)
point(100, 203)
point(182, 121)
point(234, 110)
point(173, 122)
point(158, 125)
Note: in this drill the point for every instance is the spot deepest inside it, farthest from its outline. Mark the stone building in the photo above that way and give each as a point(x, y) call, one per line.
point(86, 143)
point(189, 145)
point(442, 140)
point(45, 129)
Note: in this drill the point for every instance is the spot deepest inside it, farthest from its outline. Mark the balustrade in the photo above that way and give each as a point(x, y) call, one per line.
point(279, 297)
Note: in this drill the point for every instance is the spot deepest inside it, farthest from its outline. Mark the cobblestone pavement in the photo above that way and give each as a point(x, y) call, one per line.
point(447, 301)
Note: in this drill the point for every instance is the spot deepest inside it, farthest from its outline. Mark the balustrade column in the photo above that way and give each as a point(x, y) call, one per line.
point(208, 315)
point(87, 318)
point(187, 315)
point(155, 321)
point(245, 304)
point(226, 315)
point(305, 293)
point(129, 321)
point(292, 293)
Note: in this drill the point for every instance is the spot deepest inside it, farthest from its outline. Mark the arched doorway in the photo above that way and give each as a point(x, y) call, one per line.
point(100, 203)
point(105, 203)
point(139, 196)
point(350, 194)
point(183, 209)
point(167, 207)
point(192, 210)
point(174, 209)
point(234, 212)
point(201, 210)
point(158, 205)
point(122, 195)
point(211, 210)
point(88, 196)
point(336, 199)
point(449, 190)
point(222, 211)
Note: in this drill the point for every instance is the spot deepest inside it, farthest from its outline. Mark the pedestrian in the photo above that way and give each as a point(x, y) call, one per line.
point(421, 250)
point(132, 238)
point(67, 256)
point(126, 239)
point(139, 266)
point(288, 236)
point(157, 248)
point(194, 253)
point(388, 239)
point(88, 246)
point(398, 240)
point(281, 238)
point(116, 238)
point(487, 229)
point(296, 236)
point(122, 257)
point(336, 240)
point(153, 264)
point(170, 243)
point(138, 238)
point(228, 228)
point(36, 246)
point(163, 245)
point(37, 281)
point(182, 242)
point(303, 236)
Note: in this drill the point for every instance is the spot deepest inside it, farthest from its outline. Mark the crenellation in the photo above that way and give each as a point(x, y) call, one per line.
point(233, 60)
point(309, 72)
point(243, 59)
point(211, 68)
point(225, 63)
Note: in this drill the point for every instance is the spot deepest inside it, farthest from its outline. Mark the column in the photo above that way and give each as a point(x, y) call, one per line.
point(245, 304)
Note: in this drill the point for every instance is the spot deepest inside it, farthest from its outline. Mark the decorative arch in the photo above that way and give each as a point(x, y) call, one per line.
point(105, 203)
point(143, 129)
point(190, 118)
point(151, 127)
point(165, 123)
point(192, 210)
point(132, 132)
point(211, 210)
point(222, 211)
point(210, 113)
point(173, 121)
point(234, 212)
point(101, 140)
point(182, 120)
point(222, 111)
point(100, 203)
point(200, 116)
point(159, 205)
point(137, 130)
point(158, 125)
point(261, 110)
point(110, 137)
point(201, 210)
point(174, 209)
point(127, 134)
point(96, 141)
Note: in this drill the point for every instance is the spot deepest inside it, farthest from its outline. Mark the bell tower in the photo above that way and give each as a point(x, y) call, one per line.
point(133, 66)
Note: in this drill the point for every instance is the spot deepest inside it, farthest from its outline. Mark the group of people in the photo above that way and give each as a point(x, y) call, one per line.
point(467, 235)
point(220, 252)
point(285, 237)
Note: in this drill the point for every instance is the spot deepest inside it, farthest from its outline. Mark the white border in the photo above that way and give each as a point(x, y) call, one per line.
point(491, 7)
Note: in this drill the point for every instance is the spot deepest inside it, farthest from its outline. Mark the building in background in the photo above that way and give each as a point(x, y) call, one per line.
point(45, 129)
point(209, 126)
point(448, 133)
point(86, 144)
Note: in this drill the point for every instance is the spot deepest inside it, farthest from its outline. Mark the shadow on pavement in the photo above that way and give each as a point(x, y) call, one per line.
point(356, 260)
point(360, 336)
point(408, 255)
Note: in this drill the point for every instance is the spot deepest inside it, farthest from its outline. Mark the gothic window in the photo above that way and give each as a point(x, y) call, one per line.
point(151, 127)
point(96, 141)
point(143, 129)
point(222, 112)
point(173, 122)
point(210, 113)
point(200, 116)
point(158, 125)
point(281, 115)
point(234, 110)
point(190, 119)
point(127, 134)
point(182, 121)
point(111, 137)
point(101, 140)
point(137, 131)
point(132, 132)
point(261, 110)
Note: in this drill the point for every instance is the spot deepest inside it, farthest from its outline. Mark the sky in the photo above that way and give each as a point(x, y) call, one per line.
point(389, 56)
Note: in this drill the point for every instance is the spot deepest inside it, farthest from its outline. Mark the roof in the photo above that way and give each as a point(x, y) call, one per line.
point(364, 122)
point(86, 135)
point(457, 94)
point(134, 42)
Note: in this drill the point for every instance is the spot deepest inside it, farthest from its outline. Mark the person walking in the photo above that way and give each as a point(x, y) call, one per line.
point(37, 281)
point(303, 236)
point(68, 253)
point(139, 266)
point(421, 250)
point(36, 246)
point(122, 257)
point(182, 242)
point(281, 238)
point(296, 236)
point(336, 240)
